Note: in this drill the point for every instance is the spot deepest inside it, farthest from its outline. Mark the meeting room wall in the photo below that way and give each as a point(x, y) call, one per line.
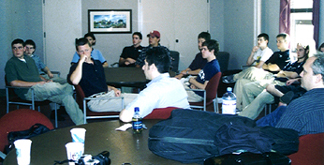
point(156, 15)
point(19, 19)
point(111, 45)
point(270, 21)
point(239, 27)
point(232, 31)
point(217, 22)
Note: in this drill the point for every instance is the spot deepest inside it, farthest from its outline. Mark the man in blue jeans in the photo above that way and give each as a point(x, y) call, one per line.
point(304, 114)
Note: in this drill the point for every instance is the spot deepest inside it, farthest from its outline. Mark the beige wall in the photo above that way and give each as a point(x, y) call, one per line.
point(62, 26)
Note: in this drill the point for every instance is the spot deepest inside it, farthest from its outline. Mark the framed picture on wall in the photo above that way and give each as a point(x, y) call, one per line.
point(110, 21)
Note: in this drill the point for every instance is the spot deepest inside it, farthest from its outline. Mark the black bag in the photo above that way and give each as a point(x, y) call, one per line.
point(286, 141)
point(34, 130)
point(189, 136)
point(248, 158)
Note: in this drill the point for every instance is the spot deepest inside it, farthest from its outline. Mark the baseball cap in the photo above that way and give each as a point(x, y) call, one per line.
point(154, 33)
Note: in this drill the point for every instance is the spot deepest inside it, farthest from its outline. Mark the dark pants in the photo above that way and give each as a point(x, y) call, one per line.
point(273, 118)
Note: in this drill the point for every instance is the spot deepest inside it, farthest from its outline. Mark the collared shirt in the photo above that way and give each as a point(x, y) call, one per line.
point(19, 70)
point(161, 92)
point(93, 78)
point(305, 114)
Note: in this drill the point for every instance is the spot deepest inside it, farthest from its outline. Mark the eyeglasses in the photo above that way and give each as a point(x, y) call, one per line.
point(30, 48)
point(299, 50)
point(16, 48)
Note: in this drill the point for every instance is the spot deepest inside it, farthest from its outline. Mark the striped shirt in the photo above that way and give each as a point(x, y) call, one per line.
point(305, 114)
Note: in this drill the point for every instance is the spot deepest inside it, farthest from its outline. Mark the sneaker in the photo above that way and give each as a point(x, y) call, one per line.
point(228, 79)
point(286, 98)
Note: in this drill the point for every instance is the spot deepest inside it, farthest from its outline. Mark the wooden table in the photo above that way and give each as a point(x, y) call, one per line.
point(125, 77)
point(124, 147)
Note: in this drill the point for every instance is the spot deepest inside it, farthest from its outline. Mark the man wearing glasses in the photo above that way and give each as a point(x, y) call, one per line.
point(21, 71)
point(43, 70)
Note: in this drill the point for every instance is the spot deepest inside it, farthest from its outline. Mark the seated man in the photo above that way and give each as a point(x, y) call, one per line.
point(259, 55)
point(254, 94)
point(21, 71)
point(161, 92)
point(199, 62)
point(304, 114)
point(42, 68)
point(95, 54)
point(89, 74)
point(209, 51)
point(131, 53)
point(154, 41)
point(274, 64)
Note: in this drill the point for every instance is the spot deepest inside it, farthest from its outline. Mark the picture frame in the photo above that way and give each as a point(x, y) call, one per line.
point(110, 21)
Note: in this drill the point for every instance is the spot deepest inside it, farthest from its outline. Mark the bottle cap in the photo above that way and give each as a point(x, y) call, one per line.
point(136, 109)
point(229, 89)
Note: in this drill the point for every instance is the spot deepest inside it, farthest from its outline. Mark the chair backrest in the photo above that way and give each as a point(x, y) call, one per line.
point(223, 59)
point(160, 113)
point(79, 95)
point(212, 86)
point(174, 60)
point(11, 90)
point(310, 150)
point(18, 120)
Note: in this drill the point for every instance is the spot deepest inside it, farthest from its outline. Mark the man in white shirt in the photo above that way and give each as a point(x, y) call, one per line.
point(260, 53)
point(161, 92)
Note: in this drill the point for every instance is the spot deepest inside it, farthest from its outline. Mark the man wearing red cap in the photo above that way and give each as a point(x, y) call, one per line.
point(154, 41)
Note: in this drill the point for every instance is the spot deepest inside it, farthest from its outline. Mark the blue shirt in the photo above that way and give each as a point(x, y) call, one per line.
point(305, 114)
point(209, 70)
point(95, 54)
point(161, 92)
point(40, 65)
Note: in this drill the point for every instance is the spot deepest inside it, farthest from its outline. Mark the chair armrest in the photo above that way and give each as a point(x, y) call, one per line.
point(115, 63)
point(2, 155)
point(202, 90)
point(102, 98)
point(14, 87)
point(245, 66)
point(56, 72)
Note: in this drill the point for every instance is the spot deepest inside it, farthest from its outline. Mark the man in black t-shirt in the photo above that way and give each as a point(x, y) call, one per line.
point(131, 53)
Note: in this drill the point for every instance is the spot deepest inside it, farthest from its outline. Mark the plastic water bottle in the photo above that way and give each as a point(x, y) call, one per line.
point(229, 102)
point(137, 122)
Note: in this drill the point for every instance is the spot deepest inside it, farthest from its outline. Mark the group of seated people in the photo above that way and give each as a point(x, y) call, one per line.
point(269, 77)
point(275, 78)
point(87, 70)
